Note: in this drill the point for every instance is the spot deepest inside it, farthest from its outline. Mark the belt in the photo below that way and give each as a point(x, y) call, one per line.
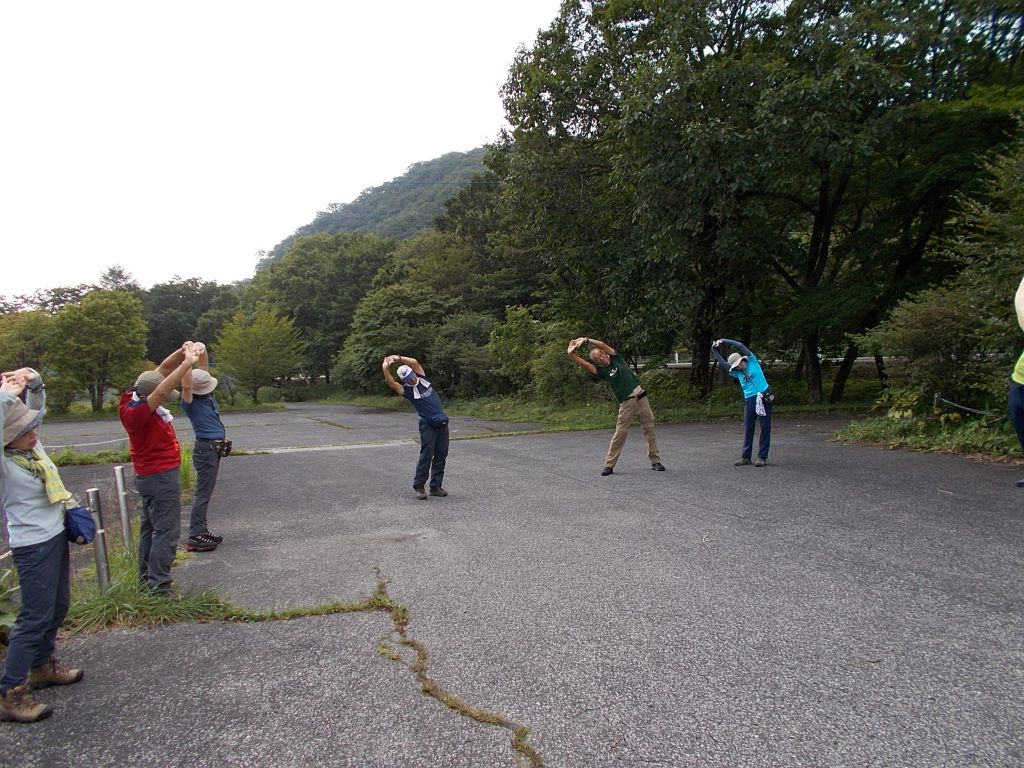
point(641, 396)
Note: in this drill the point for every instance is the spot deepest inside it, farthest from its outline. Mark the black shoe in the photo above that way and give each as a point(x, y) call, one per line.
point(606, 471)
point(200, 544)
point(1020, 483)
point(741, 463)
point(421, 492)
point(658, 466)
point(761, 463)
point(212, 537)
point(438, 491)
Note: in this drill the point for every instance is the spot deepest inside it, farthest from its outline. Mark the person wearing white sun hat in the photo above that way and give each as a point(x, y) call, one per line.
point(199, 404)
point(757, 399)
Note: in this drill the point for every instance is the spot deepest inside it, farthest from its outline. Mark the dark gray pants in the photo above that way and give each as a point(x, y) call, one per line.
point(206, 461)
point(159, 527)
point(44, 574)
point(433, 453)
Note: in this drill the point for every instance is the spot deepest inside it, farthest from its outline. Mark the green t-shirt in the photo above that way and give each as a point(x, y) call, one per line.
point(621, 377)
point(1018, 370)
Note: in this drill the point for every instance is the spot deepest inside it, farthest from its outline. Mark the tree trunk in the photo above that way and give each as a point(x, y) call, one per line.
point(813, 368)
point(256, 394)
point(843, 374)
point(96, 397)
point(704, 318)
point(883, 374)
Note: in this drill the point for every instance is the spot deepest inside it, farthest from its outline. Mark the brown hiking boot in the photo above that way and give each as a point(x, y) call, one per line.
point(19, 705)
point(438, 491)
point(52, 673)
point(421, 492)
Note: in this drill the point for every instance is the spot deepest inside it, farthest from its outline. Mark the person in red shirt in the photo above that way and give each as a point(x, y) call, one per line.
point(156, 457)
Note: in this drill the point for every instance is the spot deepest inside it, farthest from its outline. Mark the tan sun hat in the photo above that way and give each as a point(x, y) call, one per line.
point(735, 359)
point(19, 419)
point(202, 382)
point(149, 381)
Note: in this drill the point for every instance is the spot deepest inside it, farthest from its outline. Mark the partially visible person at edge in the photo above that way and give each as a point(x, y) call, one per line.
point(1016, 397)
point(433, 422)
point(33, 497)
point(757, 399)
point(199, 404)
point(156, 457)
point(606, 364)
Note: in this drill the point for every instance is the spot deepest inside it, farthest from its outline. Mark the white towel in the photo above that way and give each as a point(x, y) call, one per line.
point(162, 412)
point(759, 408)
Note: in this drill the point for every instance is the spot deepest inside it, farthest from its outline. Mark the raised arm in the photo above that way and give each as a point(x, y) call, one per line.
point(1018, 302)
point(186, 386)
point(718, 355)
point(388, 378)
point(173, 360)
point(582, 363)
point(738, 344)
point(202, 359)
point(31, 386)
point(171, 380)
point(602, 346)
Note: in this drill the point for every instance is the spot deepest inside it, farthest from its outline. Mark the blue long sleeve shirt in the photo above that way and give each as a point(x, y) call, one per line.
point(751, 380)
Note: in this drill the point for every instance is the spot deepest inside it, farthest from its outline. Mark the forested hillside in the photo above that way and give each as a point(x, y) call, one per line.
point(400, 208)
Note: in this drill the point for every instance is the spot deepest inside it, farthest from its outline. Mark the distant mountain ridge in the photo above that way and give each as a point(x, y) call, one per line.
point(400, 208)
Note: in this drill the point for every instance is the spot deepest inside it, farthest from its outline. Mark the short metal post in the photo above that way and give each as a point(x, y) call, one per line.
point(100, 540)
point(122, 500)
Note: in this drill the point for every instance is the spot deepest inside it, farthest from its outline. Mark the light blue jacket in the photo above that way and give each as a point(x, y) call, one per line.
point(31, 517)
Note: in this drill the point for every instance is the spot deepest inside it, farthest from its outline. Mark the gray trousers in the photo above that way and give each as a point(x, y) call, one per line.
point(44, 574)
point(206, 461)
point(159, 528)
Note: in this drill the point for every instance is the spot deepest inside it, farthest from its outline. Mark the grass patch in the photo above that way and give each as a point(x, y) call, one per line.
point(68, 458)
point(992, 438)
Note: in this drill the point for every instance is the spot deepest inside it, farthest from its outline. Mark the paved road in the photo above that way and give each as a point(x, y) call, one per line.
point(845, 606)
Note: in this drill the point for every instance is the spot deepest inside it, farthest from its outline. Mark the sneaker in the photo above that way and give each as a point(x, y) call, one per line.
point(438, 491)
point(741, 463)
point(200, 544)
point(212, 537)
point(52, 673)
point(19, 705)
point(658, 466)
point(761, 463)
point(606, 471)
point(421, 492)
point(1020, 483)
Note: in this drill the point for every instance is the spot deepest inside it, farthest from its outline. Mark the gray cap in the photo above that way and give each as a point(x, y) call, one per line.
point(149, 381)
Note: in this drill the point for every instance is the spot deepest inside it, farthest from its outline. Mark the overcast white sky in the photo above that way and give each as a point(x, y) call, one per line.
point(182, 138)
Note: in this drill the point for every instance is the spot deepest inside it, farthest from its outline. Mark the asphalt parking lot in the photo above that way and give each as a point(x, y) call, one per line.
point(844, 606)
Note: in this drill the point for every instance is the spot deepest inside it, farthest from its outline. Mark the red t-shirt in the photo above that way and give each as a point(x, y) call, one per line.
point(151, 440)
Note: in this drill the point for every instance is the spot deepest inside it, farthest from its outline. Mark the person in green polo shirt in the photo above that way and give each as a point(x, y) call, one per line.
point(606, 364)
point(1016, 397)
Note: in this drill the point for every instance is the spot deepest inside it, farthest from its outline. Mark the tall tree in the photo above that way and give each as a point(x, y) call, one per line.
point(260, 350)
point(99, 343)
point(318, 284)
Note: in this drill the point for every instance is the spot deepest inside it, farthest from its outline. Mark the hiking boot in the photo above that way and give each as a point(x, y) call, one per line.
point(1019, 483)
point(421, 492)
point(606, 471)
point(52, 673)
point(658, 466)
point(438, 491)
point(741, 462)
point(212, 537)
point(761, 463)
point(19, 705)
point(200, 544)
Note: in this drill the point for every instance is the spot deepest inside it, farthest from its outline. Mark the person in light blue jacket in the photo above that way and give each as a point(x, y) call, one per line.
point(33, 498)
point(757, 399)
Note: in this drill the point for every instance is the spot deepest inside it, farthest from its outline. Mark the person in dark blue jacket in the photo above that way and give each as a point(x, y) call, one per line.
point(433, 422)
point(757, 399)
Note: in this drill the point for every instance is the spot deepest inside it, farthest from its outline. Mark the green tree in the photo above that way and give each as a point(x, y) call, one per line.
point(99, 343)
point(397, 319)
point(318, 284)
point(172, 311)
point(260, 350)
point(24, 337)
